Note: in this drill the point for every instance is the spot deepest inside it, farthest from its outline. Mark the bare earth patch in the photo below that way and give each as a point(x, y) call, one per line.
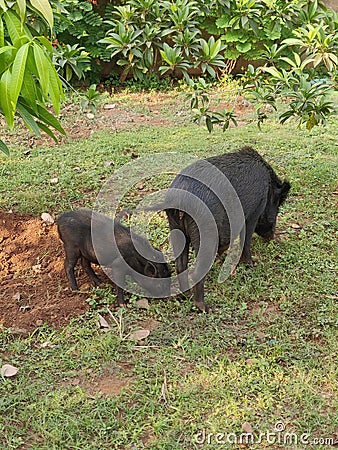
point(34, 288)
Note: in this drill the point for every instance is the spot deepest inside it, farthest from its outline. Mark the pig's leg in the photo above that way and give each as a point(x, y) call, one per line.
point(181, 263)
point(205, 255)
point(70, 262)
point(181, 260)
point(246, 252)
point(120, 296)
point(199, 296)
point(119, 279)
point(88, 268)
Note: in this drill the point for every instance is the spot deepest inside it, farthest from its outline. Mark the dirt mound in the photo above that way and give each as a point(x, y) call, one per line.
point(34, 289)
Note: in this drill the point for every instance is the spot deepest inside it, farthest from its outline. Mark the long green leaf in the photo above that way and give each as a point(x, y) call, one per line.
point(2, 33)
point(42, 65)
point(18, 70)
point(48, 131)
point(5, 99)
point(6, 48)
point(14, 26)
point(43, 6)
point(48, 118)
point(55, 89)
point(215, 49)
point(28, 119)
point(22, 9)
point(4, 148)
point(3, 5)
point(29, 90)
point(45, 42)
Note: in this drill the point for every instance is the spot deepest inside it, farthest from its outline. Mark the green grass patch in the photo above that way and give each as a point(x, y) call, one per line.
point(268, 354)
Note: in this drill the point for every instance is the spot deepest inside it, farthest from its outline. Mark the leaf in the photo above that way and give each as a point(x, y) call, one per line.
point(14, 26)
point(209, 124)
point(28, 90)
point(247, 427)
point(22, 9)
point(102, 323)
point(55, 91)
point(42, 65)
point(243, 48)
point(2, 33)
point(6, 48)
point(49, 119)
point(28, 118)
point(272, 71)
point(295, 226)
point(8, 371)
point(5, 99)
point(139, 335)
point(216, 47)
point(47, 130)
point(3, 5)
point(4, 148)
point(43, 6)
point(18, 70)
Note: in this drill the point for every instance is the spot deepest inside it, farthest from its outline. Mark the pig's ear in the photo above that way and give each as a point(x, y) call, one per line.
point(279, 194)
point(284, 191)
point(150, 269)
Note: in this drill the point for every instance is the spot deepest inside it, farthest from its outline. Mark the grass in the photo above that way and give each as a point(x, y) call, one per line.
point(267, 355)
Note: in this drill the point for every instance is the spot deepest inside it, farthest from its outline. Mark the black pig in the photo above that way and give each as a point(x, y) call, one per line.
point(201, 202)
point(116, 247)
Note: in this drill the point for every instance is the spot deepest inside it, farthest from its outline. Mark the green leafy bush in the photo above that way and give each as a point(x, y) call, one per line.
point(70, 60)
point(185, 37)
point(28, 79)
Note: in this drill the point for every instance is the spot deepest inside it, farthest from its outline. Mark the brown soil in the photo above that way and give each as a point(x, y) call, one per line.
point(34, 288)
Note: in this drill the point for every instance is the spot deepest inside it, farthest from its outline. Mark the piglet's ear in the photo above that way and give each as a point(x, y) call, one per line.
point(150, 269)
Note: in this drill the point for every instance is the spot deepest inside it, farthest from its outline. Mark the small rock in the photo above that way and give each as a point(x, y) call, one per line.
point(90, 116)
point(47, 218)
point(39, 322)
point(108, 163)
point(140, 186)
point(142, 303)
point(110, 106)
point(54, 180)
